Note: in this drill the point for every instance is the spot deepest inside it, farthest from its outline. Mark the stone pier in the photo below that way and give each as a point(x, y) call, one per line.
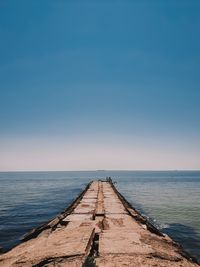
point(100, 228)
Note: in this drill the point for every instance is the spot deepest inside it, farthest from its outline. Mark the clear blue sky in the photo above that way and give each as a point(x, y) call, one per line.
point(99, 84)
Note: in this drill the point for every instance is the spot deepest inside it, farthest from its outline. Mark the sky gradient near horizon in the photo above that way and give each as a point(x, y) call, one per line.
point(88, 85)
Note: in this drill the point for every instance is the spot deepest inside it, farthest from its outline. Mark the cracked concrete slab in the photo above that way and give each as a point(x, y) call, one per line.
point(101, 228)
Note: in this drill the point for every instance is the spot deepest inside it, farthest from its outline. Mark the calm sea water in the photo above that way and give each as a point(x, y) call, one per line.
point(170, 199)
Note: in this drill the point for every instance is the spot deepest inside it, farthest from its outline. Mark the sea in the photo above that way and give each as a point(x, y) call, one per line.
point(169, 199)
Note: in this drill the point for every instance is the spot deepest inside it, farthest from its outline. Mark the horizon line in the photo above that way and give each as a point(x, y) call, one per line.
point(106, 170)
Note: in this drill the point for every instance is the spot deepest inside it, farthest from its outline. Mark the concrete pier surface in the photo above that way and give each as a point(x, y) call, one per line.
point(100, 228)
